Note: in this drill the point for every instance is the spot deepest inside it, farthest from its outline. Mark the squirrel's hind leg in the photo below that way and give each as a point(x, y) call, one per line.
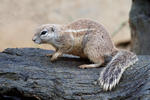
point(97, 59)
point(97, 63)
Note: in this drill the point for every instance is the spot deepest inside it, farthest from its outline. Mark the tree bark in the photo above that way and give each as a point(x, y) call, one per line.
point(139, 20)
point(27, 74)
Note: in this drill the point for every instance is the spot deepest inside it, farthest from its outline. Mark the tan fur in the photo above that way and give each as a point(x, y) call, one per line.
point(88, 39)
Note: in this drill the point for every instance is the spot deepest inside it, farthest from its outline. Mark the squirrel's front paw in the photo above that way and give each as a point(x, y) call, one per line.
point(52, 59)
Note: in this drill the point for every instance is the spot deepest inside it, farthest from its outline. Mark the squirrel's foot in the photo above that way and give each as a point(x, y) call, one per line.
point(89, 66)
point(83, 66)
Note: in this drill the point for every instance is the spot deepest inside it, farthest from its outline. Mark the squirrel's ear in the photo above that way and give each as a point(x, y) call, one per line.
point(52, 29)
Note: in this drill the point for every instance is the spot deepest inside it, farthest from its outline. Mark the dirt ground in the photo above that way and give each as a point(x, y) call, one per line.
point(19, 18)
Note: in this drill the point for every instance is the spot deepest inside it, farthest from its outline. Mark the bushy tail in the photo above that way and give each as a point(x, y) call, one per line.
point(112, 73)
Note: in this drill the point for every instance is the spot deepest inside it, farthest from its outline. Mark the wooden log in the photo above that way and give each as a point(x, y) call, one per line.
point(27, 74)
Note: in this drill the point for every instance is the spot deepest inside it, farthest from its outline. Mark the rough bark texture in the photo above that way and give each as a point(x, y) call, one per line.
point(140, 26)
point(27, 74)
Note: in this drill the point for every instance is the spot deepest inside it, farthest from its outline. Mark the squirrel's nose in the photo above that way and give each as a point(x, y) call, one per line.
point(33, 39)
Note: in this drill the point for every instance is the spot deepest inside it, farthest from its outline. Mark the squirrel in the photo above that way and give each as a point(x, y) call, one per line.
point(87, 38)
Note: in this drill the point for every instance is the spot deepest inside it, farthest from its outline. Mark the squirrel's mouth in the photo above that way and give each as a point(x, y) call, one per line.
point(36, 41)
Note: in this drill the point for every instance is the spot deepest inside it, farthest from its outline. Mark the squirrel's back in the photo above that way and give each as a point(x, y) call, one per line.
point(87, 32)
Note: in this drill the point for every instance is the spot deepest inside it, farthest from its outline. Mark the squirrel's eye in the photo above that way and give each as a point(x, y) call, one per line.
point(43, 32)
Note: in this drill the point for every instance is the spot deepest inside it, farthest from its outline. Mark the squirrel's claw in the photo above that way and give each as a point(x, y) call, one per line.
point(49, 55)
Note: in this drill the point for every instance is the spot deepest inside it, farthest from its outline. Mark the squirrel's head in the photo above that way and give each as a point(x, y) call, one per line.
point(46, 33)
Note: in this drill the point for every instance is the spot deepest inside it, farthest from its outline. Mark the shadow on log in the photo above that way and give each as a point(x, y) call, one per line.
point(26, 74)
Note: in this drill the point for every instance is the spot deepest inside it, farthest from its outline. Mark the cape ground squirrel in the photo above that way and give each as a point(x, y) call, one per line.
point(87, 39)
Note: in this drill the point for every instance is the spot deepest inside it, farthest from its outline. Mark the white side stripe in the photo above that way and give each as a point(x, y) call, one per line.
point(76, 31)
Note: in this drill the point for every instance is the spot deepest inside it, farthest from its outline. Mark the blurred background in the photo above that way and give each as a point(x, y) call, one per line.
point(19, 18)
